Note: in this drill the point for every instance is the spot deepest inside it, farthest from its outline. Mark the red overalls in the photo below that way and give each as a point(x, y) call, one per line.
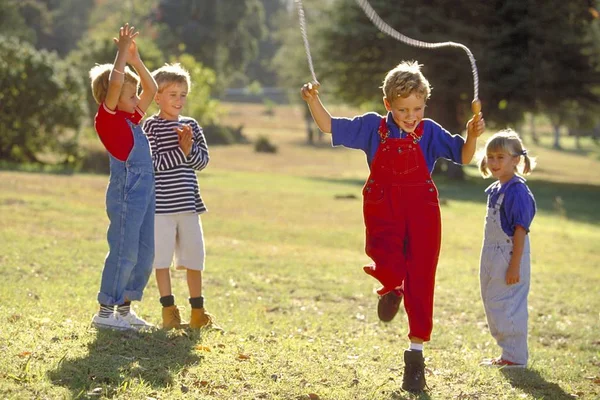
point(403, 226)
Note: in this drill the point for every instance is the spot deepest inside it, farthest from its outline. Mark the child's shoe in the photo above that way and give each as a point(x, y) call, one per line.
point(114, 321)
point(171, 317)
point(200, 318)
point(414, 371)
point(389, 304)
point(136, 322)
point(500, 363)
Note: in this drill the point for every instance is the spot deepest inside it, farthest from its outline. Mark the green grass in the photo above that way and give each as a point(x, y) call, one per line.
point(283, 278)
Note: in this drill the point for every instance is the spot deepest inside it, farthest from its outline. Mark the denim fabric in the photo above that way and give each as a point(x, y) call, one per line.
point(505, 305)
point(130, 205)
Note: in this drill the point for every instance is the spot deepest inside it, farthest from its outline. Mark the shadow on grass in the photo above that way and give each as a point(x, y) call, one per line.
point(572, 201)
point(115, 360)
point(531, 382)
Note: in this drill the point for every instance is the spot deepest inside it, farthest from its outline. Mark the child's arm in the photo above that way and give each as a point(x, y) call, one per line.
point(149, 86)
point(117, 75)
point(475, 127)
point(310, 94)
point(514, 267)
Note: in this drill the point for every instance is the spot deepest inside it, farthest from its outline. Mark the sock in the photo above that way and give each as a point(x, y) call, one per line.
point(105, 311)
point(123, 309)
point(416, 347)
point(197, 302)
point(167, 301)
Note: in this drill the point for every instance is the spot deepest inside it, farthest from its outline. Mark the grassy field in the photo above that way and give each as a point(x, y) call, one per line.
point(284, 238)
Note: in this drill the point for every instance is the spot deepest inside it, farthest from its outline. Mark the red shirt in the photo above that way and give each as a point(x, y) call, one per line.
point(114, 132)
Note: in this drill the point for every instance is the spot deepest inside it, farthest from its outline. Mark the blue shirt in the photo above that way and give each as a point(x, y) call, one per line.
point(518, 206)
point(361, 132)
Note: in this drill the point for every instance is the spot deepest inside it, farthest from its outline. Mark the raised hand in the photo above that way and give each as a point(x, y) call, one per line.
point(476, 125)
point(309, 91)
point(126, 43)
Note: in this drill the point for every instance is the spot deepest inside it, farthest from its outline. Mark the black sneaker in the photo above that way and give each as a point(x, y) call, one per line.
point(414, 371)
point(388, 305)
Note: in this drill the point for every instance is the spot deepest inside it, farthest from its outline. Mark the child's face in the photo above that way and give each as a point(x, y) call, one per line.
point(171, 100)
point(502, 165)
point(128, 100)
point(406, 111)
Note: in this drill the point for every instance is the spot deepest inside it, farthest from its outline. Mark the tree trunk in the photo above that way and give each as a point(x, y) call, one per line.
point(532, 130)
point(556, 136)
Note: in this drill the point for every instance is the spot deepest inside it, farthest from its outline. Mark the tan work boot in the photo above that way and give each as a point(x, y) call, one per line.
point(171, 318)
point(200, 318)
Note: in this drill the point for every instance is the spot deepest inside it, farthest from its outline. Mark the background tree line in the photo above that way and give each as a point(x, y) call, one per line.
point(533, 56)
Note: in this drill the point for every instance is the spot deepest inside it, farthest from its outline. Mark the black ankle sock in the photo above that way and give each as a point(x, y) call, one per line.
point(124, 308)
point(197, 302)
point(105, 311)
point(167, 301)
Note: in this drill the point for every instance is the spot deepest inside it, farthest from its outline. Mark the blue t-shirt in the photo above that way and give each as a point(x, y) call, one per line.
point(361, 132)
point(518, 206)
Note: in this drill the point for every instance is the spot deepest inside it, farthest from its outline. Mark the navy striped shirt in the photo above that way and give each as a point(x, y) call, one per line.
point(177, 189)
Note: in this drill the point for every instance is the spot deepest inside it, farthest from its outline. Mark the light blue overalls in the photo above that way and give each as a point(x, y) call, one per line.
point(130, 204)
point(505, 305)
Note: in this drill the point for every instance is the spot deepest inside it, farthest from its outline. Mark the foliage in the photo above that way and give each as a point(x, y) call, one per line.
point(222, 34)
point(40, 103)
point(264, 145)
point(216, 134)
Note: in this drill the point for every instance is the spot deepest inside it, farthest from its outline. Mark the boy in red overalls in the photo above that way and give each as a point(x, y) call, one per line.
point(401, 207)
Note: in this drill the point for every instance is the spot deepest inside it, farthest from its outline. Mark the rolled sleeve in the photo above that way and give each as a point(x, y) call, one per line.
point(446, 145)
point(354, 133)
point(519, 207)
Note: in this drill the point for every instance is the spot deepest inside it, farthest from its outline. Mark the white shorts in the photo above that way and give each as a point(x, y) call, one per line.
point(179, 235)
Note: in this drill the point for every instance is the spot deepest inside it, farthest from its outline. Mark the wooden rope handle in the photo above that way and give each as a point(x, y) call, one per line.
point(476, 108)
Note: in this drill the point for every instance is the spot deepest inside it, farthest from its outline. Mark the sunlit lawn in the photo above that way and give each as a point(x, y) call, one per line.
point(284, 239)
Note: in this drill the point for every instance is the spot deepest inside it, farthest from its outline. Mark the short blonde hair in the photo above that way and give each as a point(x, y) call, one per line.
point(406, 79)
point(100, 75)
point(169, 74)
point(509, 142)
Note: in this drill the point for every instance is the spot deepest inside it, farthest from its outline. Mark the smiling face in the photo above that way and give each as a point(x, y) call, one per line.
point(128, 100)
point(407, 112)
point(171, 99)
point(502, 165)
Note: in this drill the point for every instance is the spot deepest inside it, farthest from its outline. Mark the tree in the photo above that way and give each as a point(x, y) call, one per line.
point(222, 34)
point(40, 103)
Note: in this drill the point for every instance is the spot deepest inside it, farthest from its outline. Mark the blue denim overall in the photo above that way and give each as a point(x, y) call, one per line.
point(505, 305)
point(130, 204)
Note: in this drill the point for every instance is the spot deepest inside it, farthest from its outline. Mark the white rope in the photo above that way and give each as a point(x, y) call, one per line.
point(388, 30)
point(305, 38)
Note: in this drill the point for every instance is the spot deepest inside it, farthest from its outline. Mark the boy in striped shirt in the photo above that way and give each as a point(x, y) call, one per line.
point(178, 151)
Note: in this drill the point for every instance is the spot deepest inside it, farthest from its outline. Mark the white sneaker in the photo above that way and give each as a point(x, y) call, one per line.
point(136, 322)
point(115, 321)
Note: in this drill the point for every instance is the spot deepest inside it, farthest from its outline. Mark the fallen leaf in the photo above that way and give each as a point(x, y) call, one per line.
point(243, 357)
point(25, 354)
point(203, 348)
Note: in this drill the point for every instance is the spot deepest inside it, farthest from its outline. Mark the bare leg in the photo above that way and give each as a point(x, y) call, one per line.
point(194, 281)
point(163, 281)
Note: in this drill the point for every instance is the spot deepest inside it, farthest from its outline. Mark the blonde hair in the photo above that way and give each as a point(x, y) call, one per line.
point(509, 142)
point(100, 75)
point(169, 74)
point(405, 79)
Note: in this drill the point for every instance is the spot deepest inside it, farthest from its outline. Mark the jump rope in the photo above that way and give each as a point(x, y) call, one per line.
point(388, 30)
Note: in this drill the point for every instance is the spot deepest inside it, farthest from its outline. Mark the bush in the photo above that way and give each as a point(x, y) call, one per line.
point(263, 145)
point(41, 105)
point(221, 134)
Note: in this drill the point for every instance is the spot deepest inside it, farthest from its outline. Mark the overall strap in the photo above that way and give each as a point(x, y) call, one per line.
point(383, 130)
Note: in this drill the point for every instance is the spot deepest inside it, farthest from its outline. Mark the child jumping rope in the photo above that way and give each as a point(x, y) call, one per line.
point(130, 192)
point(505, 266)
point(401, 207)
